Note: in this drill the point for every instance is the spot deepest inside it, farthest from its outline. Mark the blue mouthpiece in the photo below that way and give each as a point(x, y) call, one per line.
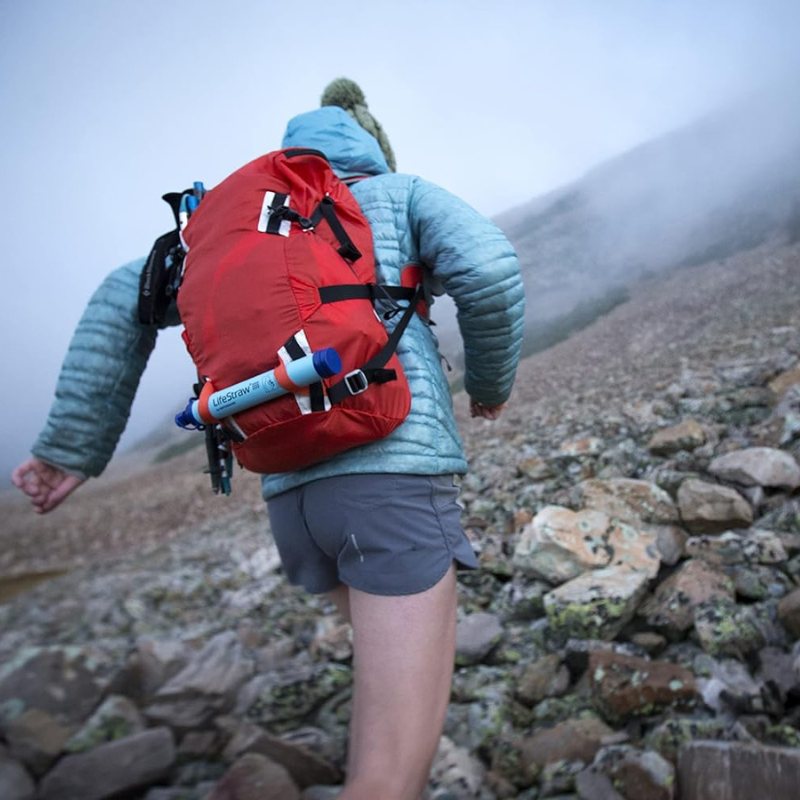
point(327, 362)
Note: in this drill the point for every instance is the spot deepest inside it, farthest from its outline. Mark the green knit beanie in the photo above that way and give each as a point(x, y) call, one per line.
point(347, 94)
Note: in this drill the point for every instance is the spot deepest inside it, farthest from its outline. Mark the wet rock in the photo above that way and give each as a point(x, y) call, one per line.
point(624, 687)
point(672, 607)
point(725, 770)
point(635, 502)
point(571, 740)
point(36, 740)
point(596, 605)
point(116, 718)
point(709, 508)
point(546, 677)
point(255, 777)
point(758, 466)
point(112, 768)
point(476, 635)
point(686, 435)
point(637, 774)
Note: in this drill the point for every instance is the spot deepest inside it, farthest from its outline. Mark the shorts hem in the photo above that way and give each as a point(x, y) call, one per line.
point(405, 593)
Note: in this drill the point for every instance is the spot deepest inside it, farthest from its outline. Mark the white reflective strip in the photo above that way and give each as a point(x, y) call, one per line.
point(303, 400)
point(266, 211)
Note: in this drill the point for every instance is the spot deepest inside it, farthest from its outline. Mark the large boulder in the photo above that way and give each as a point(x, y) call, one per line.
point(758, 466)
point(560, 544)
point(709, 508)
point(636, 502)
point(596, 605)
point(672, 607)
point(625, 686)
point(112, 769)
point(728, 770)
point(686, 435)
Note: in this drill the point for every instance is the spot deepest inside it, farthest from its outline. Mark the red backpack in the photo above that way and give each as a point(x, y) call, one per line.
point(279, 264)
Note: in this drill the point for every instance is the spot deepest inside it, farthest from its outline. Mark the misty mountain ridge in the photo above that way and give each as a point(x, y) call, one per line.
point(706, 191)
point(713, 188)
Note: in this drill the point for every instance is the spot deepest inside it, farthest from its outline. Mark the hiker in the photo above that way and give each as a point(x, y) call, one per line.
point(376, 528)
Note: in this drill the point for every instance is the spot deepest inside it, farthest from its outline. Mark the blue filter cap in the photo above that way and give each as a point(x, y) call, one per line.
point(327, 362)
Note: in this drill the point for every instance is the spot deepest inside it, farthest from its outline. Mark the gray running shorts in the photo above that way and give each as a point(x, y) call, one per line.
point(384, 534)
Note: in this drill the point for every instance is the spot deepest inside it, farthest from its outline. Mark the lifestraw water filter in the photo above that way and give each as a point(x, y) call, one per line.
point(287, 378)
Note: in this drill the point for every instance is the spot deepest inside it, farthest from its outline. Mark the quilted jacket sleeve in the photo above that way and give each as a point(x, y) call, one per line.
point(98, 379)
point(479, 269)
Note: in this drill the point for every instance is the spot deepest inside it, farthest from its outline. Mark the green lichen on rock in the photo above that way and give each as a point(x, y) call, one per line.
point(668, 737)
point(293, 699)
point(596, 619)
point(726, 629)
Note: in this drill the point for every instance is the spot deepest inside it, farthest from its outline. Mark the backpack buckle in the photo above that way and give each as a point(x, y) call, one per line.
point(356, 382)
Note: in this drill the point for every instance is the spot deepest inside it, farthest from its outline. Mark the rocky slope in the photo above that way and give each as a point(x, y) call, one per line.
point(638, 521)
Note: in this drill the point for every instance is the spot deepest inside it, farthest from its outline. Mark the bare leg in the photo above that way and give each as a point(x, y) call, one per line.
point(404, 651)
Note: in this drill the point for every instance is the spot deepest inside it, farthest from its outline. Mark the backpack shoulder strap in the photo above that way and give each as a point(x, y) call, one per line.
point(374, 370)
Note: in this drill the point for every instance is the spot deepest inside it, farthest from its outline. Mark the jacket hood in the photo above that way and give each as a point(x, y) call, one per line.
point(349, 148)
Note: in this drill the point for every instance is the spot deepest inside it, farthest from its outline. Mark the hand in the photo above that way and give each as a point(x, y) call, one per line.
point(46, 485)
point(477, 409)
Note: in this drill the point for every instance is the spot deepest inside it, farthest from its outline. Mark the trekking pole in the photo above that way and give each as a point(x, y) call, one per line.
point(212, 405)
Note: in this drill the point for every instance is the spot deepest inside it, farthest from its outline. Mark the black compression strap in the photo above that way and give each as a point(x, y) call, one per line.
point(326, 211)
point(316, 393)
point(374, 370)
point(364, 291)
point(276, 218)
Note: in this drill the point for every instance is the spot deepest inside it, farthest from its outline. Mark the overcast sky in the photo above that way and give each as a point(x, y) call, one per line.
point(106, 104)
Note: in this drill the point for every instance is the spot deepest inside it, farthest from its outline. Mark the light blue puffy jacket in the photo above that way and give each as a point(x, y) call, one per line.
point(413, 222)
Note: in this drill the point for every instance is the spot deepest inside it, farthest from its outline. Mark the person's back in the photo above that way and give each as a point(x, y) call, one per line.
point(376, 528)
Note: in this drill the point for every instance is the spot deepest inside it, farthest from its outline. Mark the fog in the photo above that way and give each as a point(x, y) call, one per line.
point(107, 105)
point(723, 183)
